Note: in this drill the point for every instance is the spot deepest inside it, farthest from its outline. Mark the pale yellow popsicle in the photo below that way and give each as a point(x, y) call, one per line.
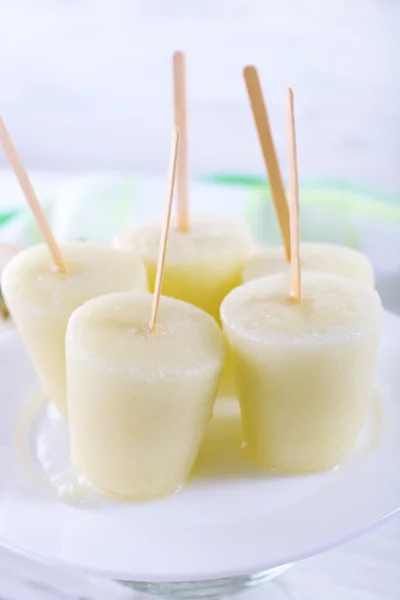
point(304, 370)
point(202, 265)
point(139, 402)
point(326, 258)
point(41, 299)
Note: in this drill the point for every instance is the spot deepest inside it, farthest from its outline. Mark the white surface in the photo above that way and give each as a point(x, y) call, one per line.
point(87, 85)
point(216, 526)
point(366, 569)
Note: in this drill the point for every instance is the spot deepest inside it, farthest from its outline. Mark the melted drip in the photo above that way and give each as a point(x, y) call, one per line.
point(42, 446)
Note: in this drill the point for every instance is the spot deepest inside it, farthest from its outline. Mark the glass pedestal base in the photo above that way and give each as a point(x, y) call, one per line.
point(205, 589)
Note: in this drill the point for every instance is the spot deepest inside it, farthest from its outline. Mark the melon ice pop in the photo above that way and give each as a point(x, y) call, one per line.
point(141, 390)
point(304, 361)
point(42, 289)
point(320, 257)
point(304, 369)
point(41, 299)
point(205, 254)
point(139, 401)
point(314, 257)
point(203, 263)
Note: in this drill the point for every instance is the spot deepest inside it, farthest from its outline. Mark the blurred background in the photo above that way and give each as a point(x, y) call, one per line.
point(86, 92)
point(86, 85)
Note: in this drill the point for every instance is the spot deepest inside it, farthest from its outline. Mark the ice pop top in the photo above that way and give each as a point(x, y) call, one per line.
point(319, 257)
point(202, 264)
point(31, 279)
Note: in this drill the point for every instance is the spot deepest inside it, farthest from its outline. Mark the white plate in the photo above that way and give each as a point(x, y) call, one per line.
point(229, 520)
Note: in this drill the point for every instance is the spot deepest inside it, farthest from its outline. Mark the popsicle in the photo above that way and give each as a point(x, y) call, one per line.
point(203, 263)
point(142, 372)
point(304, 369)
point(6, 253)
point(314, 257)
point(139, 401)
point(41, 299)
point(304, 347)
point(320, 257)
point(205, 253)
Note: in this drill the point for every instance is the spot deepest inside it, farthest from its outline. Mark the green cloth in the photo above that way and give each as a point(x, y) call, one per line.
point(99, 207)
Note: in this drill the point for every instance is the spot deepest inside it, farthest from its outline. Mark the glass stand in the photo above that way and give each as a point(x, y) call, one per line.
point(215, 588)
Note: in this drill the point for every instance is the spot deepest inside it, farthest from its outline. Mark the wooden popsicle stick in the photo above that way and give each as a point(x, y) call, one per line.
point(260, 115)
point(293, 199)
point(165, 228)
point(180, 115)
point(30, 195)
